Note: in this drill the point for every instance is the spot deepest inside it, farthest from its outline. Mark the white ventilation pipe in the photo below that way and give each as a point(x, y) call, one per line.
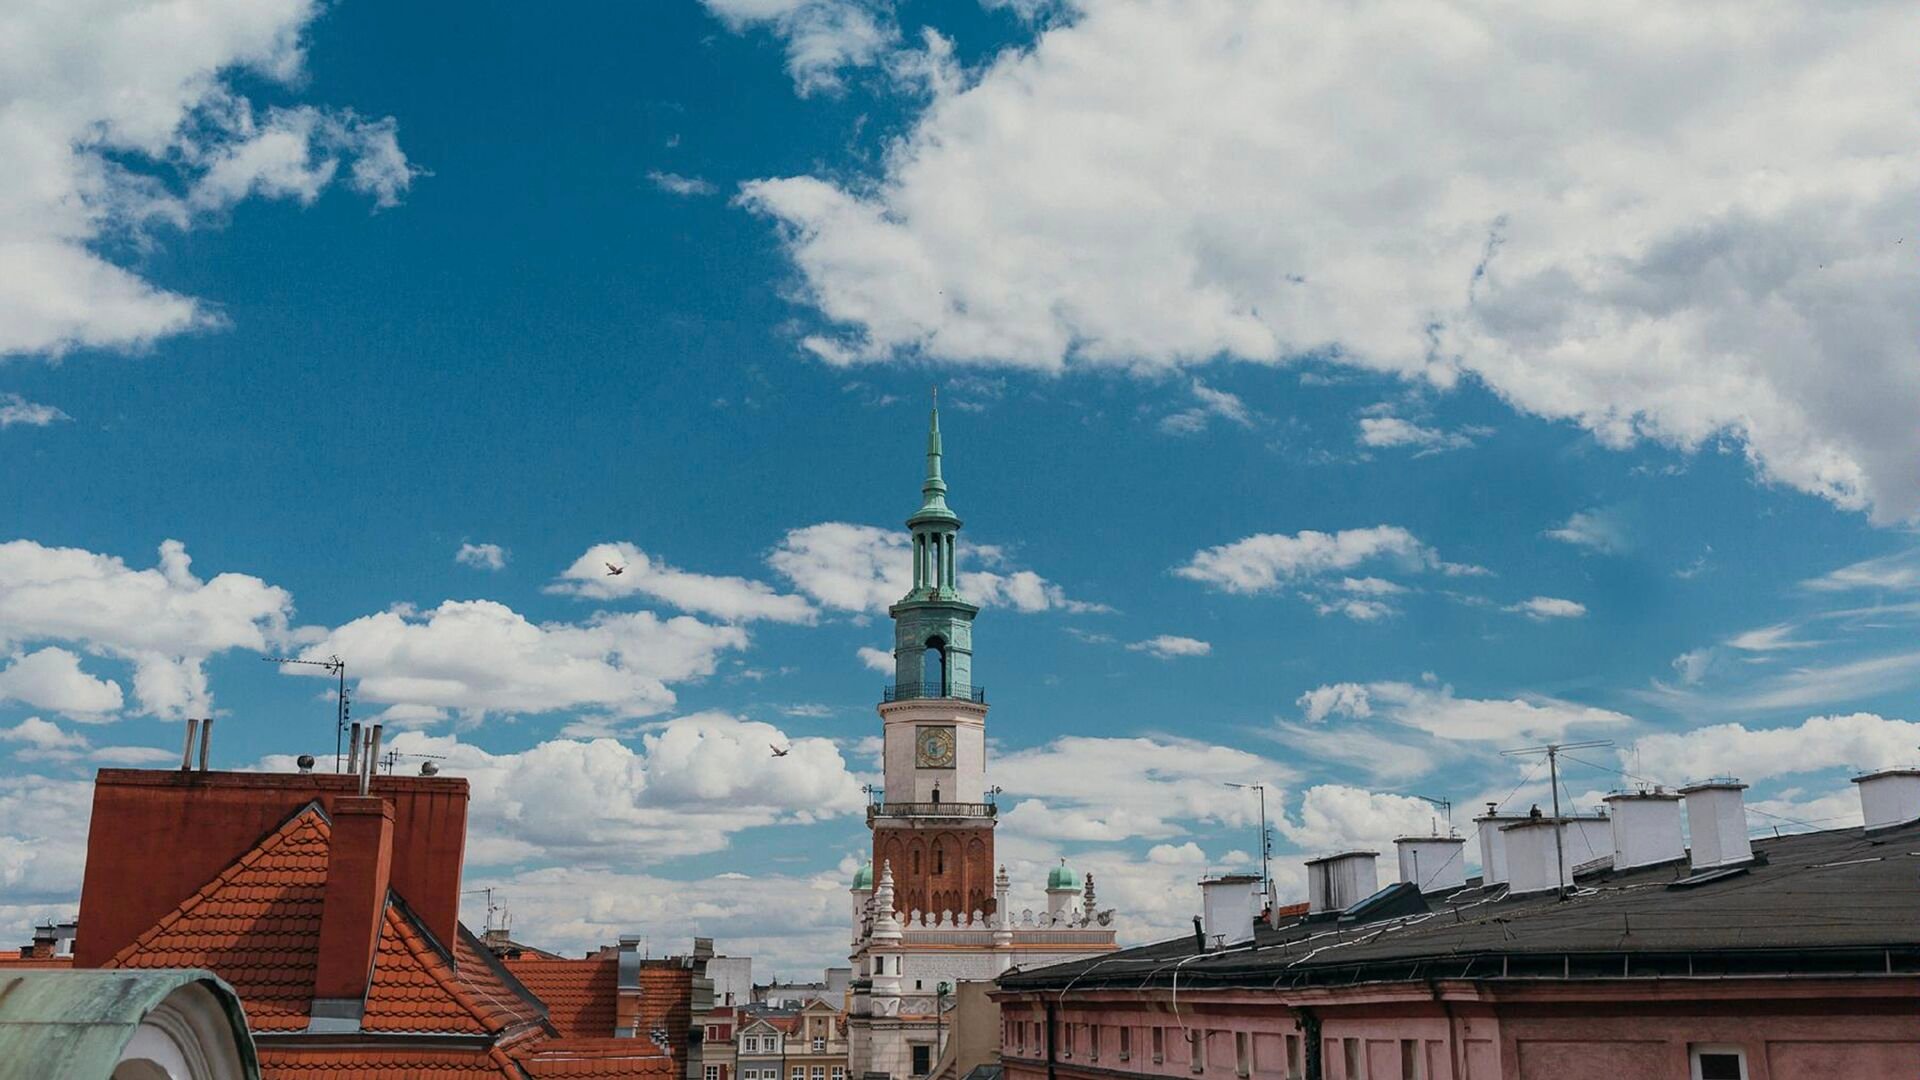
point(1227, 903)
point(1889, 797)
point(1717, 823)
point(1336, 882)
point(1646, 828)
point(1493, 849)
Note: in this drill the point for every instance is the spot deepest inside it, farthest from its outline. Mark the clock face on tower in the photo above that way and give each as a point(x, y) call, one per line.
point(933, 748)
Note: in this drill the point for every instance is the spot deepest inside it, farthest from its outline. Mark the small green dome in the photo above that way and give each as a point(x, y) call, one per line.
point(1063, 877)
point(863, 877)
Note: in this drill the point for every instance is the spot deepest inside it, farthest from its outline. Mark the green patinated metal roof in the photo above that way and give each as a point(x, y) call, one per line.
point(72, 1025)
point(933, 506)
point(863, 877)
point(1063, 877)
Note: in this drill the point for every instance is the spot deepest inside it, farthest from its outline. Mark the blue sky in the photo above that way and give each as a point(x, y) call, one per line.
point(1302, 434)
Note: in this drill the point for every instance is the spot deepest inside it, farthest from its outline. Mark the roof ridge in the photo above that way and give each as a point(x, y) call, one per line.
point(426, 951)
point(319, 822)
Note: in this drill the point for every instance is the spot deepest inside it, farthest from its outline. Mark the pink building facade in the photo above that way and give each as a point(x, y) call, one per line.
point(1725, 958)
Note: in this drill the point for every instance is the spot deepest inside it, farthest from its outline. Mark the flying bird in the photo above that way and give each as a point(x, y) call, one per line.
point(615, 571)
point(778, 752)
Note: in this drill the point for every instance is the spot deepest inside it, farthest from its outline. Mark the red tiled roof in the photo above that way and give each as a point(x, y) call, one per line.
point(598, 1059)
point(342, 1063)
point(257, 925)
point(15, 960)
point(501, 1000)
point(582, 996)
point(666, 1004)
point(414, 987)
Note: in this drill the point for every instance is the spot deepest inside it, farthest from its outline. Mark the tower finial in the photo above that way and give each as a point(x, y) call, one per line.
point(934, 490)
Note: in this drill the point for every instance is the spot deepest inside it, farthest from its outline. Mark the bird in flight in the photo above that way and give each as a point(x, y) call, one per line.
point(778, 752)
point(615, 571)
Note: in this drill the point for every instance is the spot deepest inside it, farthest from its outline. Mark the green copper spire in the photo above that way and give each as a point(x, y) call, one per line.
point(932, 624)
point(933, 493)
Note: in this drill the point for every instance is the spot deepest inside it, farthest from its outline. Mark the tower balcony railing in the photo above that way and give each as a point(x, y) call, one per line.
point(932, 692)
point(931, 809)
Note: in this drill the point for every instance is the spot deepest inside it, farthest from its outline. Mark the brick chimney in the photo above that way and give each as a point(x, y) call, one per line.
point(359, 864)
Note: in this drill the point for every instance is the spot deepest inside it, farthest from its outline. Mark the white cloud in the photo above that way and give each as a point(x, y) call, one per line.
point(735, 599)
point(1436, 711)
point(1112, 789)
point(876, 659)
point(1693, 665)
point(1852, 741)
point(1335, 817)
point(1578, 199)
point(694, 782)
point(1210, 403)
point(51, 679)
point(43, 740)
point(1596, 530)
point(1386, 755)
point(865, 568)
point(1898, 572)
point(480, 657)
point(1767, 639)
point(1542, 608)
point(482, 556)
point(15, 409)
point(164, 620)
point(1393, 431)
point(675, 184)
point(1169, 646)
point(822, 37)
point(123, 118)
point(1265, 562)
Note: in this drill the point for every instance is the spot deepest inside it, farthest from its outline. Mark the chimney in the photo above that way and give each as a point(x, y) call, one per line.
point(1889, 797)
point(1589, 841)
point(1432, 863)
point(359, 863)
point(44, 943)
point(1646, 828)
point(1534, 859)
point(626, 1017)
point(1336, 882)
point(1717, 823)
point(1493, 846)
point(1228, 905)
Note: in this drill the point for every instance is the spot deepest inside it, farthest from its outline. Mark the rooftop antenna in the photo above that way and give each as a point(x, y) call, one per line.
point(1552, 750)
point(1446, 807)
point(338, 668)
point(1266, 840)
point(392, 757)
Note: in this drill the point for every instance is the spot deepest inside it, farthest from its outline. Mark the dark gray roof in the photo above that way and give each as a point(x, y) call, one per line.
point(1837, 900)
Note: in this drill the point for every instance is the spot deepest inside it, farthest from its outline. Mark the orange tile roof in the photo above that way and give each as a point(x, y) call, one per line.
point(414, 987)
point(360, 1063)
point(666, 1004)
point(582, 996)
point(597, 1059)
point(15, 960)
point(257, 925)
point(502, 999)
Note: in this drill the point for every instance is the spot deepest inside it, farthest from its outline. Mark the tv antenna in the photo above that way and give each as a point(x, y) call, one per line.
point(1446, 808)
point(1552, 750)
point(1266, 841)
point(392, 757)
point(338, 668)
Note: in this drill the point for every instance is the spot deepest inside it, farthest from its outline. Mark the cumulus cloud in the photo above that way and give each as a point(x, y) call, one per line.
point(1566, 207)
point(1382, 432)
point(51, 679)
point(1209, 404)
point(125, 118)
point(1336, 817)
point(693, 782)
point(675, 184)
point(43, 849)
point(1851, 741)
point(1112, 789)
point(734, 599)
point(1435, 710)
point(480, 656)
point(864, 568)
point(43, 740)
point(1542, 608)
point(876, 659)
point(1170, 646)
point(163, 620)
point(822, 37)
point(1595, 530)
point(15, 409)
point(1266, 562)
point(482, 556)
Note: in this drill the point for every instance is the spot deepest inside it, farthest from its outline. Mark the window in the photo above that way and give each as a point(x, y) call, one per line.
point(799, 1073)
point(1350, 1050)
point(939, 853)
point(751, 1045)
point(713, 1072)
point(1718, 1063)
point(1093, 1042)
point(1410, 1059)
point(819, 1045)
point(1159, 1045)
point(1068, 1029)
point(839, 1072)
point(1126, 1043)
point(1242, 1055)
point(1196, 1050)
point(1296, 1064)
point(922, 1059)
point(819, 1072)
